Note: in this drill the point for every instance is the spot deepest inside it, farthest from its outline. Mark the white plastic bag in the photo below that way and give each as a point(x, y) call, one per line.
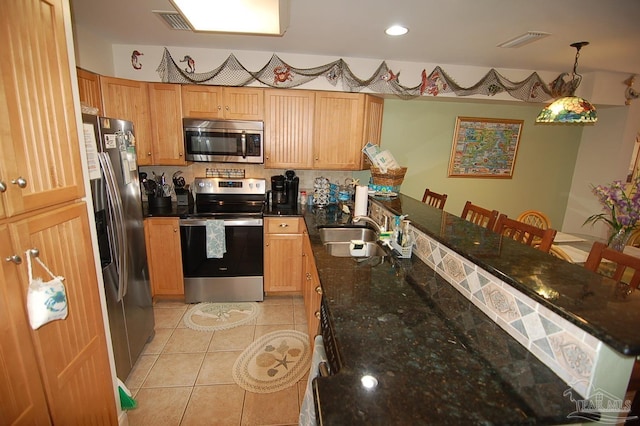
point(46, 301)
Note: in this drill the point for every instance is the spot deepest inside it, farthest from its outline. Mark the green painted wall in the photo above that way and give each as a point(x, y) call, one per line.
point(420, 133)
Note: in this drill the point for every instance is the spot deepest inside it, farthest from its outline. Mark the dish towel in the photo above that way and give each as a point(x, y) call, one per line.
point(307, 410)
point(216, 246)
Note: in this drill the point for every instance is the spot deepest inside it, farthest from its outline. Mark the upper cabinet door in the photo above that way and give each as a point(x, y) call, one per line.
point(199, 101)
point(166, 110)
point(129, 100)
point(243, 103)
point(39, 154)
point(89, 88)
point(338, 131)
point(288, 129)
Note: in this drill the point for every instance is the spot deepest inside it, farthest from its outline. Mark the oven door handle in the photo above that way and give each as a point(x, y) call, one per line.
point(227, 222)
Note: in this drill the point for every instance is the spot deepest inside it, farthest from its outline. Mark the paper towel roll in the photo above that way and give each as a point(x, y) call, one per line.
point(362, 201)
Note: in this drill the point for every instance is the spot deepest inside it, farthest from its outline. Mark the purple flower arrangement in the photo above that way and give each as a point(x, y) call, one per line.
point(621, 206)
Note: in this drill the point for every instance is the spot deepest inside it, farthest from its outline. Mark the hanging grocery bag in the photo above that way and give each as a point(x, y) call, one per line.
point(46, 301)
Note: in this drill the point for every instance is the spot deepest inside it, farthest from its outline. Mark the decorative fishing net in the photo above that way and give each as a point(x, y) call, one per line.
point(279, 74)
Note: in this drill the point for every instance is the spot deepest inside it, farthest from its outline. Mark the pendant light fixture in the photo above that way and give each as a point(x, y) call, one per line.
point(568, 108)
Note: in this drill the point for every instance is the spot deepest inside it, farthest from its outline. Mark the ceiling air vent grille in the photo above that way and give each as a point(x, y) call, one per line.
point(173, 19)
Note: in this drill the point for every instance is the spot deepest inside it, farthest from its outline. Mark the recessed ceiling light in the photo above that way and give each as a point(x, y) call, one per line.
point(396, 30)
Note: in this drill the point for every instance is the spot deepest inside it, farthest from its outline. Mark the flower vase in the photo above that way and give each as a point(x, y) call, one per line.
point(618, 238)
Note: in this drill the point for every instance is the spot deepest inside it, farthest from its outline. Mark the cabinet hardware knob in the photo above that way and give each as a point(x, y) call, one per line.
point(21, 182)
point(219, 107)
point(227, 107)
point(284, 225)
point(319, 290)
point(15, 259)
point(180, 154)
point(267, 244)
point(175, 229)
point(149, 154)
point(317, 314)
point(3, 187)
point(308, 276)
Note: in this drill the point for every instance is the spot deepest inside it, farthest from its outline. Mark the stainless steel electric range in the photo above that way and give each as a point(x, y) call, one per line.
point(222, 241)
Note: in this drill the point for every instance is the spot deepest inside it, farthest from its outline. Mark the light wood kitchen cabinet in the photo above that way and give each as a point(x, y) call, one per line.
point(39, 152)
point(129, 100)
point(59, 373)
point(288, 129)
point(165, 105)
point(283, 254)
point(22, 394)
point(89, 88)
point(311, 288)
point(218, 102)
point(71, 353)
point(343, 123)
point(162, 237)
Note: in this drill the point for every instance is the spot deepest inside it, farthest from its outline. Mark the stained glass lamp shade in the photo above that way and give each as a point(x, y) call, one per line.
point(569, 108)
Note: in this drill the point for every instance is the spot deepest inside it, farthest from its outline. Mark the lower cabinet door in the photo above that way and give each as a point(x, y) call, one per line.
point(22, 399)
point(71, 354)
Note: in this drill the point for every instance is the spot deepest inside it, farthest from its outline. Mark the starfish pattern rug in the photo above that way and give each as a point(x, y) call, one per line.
point(220, 316)
point(274, 362)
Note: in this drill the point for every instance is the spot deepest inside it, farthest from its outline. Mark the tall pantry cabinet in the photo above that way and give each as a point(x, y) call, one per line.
point(60, 373)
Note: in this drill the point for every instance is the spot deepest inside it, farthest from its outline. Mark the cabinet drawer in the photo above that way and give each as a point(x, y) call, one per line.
point(283, 225)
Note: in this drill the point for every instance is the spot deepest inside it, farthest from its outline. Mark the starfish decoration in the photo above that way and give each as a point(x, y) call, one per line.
point(283, 362)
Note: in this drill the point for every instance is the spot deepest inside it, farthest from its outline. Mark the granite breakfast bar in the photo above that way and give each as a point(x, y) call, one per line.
point(473, 329)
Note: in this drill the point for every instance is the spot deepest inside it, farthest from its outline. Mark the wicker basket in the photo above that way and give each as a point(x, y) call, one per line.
point(393, 177)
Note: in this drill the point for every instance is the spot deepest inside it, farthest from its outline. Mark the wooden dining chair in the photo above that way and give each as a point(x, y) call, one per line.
point(535, 218)
point(527, 234)
point(434, 199)
point(559, 253)
point(600, 252)
point(634, 239)
point(479, 215)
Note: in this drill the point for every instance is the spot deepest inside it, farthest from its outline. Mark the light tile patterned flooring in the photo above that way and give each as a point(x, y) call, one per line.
point(183, 376)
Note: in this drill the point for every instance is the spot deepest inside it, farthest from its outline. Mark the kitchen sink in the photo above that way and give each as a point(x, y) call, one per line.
point(337, 241)
point(341, 249)
point(346, 234)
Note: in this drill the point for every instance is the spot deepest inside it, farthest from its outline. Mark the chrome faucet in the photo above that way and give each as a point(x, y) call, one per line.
point(379, 228)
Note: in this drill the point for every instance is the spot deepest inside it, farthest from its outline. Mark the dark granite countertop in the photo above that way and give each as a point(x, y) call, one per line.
point(437, 358)
point(593, 303)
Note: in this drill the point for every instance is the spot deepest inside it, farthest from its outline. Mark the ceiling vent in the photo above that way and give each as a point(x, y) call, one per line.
point(174, 20)
point(526, 38)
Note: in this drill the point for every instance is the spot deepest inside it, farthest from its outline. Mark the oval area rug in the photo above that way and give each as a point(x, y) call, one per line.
point(274, 362)
point(220, 316)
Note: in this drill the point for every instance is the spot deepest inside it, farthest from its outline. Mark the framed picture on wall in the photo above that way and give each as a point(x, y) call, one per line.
point(484, 147)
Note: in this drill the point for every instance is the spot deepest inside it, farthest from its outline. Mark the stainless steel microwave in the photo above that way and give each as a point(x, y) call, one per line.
point(223, 141)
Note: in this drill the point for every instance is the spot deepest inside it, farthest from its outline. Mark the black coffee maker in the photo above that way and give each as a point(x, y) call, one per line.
point(284, 190)
point(278, 194)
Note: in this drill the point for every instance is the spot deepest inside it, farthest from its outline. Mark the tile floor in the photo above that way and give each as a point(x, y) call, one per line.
point(183, 376)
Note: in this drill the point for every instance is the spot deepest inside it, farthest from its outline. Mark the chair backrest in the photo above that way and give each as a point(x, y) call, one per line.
point(525, 233)
point(558, 252)
point(634, 239)
point(434, 199)
point(479, 215)
point(535, 218)
point(600, 251)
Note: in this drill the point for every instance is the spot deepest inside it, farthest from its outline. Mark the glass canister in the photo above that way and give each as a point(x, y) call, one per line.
point(321, 186)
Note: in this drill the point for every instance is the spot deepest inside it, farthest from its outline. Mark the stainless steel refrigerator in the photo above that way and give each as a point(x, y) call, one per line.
point(115, 191)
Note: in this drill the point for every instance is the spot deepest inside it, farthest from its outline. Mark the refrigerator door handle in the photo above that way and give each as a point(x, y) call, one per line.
point(115, 206)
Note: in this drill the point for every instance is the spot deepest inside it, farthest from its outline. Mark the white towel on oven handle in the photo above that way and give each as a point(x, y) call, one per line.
point(215, 239)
